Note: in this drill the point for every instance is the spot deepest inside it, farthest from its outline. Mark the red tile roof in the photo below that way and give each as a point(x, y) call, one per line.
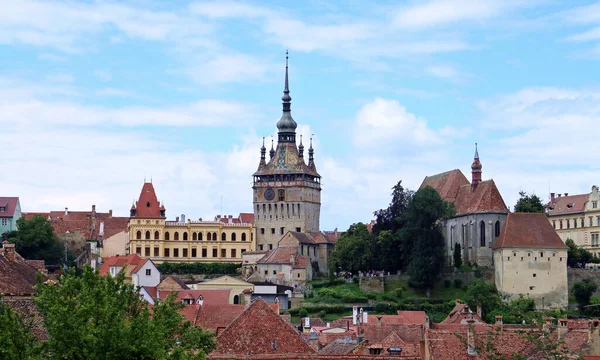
point(148, 207)
point(567, 204)
point(216, 317)
point(403, 317)
point(17, 276)
point(281, 255)
point(132, 260)
point(528, 230)
point(210, 297)
point(28, 309)
point(446, 183)
point(461, 314)
point(485, 198)
point(260, 330)
point(247, 218)
point(10, 203)
point(301, 262)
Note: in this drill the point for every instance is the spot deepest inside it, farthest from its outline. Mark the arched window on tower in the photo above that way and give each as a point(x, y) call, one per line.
point(167, 236)
point(233, 237)
point(199, 236)
point(482, 233)
point(185, 236)
point(147, 237)
point(176, 236)
point(281, 195)
point(194, 236)
point(208, 236)
point(243, 236)
point(497, 228)
point(156, 235)
point(223, 236)
point(138, 235)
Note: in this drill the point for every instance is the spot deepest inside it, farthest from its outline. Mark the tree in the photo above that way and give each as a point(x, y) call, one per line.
point(93, 317)
point(577, 256)
point(16, 339)
point(422, 237)
point(35, 240)
point(352, 251)
point(583, 291)
point(390, 218)
point(529, 203)
point(457, 256)
point(479, 291)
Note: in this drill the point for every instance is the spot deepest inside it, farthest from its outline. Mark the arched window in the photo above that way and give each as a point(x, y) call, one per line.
point(194, 236)
point(167, 237)
point(223, 236)
point(138, 235)
point(243, 236)
point(147, 235)
point(208, 236)
point(215, 236)
point(497, 228)
point(185, 236)
point(233, 237)
point(176, 235)
point(281, 194)
point(200, 236)
point(156, 235)
point(482, 233)
point(236, 299)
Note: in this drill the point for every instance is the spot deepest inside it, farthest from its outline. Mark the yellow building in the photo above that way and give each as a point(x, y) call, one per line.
point(577, 217)
point(152, 235)
point(225, 282)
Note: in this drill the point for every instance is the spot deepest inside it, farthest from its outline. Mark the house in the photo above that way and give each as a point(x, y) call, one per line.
point(235, 287)
point(531, 260)
point(577, 217)
point(480, 213)
point(273, 293)
point(138, 271)
point(10, 212)
point(17, 275)
point(462, 314)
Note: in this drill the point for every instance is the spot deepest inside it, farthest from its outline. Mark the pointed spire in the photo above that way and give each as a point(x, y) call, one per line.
point(286, 88)
point(476, 169)
point(263, 150)
point(272, 151)
point(286, 125)
point(476, 152)
point(301, 148)
point(311, 159)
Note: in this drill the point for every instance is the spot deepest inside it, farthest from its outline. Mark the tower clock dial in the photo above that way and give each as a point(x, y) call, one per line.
point(269, 194)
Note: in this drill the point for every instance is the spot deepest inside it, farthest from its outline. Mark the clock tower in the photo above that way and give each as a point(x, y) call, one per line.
point(287, 190)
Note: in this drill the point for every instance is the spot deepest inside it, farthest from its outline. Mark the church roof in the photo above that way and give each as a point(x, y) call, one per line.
point(484, 198)
point(528, 230)
point(147, 206)
point(446, 183)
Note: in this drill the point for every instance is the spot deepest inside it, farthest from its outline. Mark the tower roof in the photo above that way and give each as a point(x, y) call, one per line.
point(148, 206)
point(286, 124)
point(476, 163)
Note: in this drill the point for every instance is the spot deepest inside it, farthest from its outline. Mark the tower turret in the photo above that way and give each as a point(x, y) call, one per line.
point(475, 169)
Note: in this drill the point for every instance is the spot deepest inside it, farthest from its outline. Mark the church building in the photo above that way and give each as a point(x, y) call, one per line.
point(480, 213)
point(287, 190)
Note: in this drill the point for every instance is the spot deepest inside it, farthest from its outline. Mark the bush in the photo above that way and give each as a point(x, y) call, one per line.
point(353, 298)
point(302, 313)
point(399, 292)
point(458, 283)
point(327, 292)
point(338, 281)
point(447, 283)
point(197, 268)
point(477, 273)
point(355, 279)
point(371, 296)
point(337, 309)
point(385, 308)
point(388, 297)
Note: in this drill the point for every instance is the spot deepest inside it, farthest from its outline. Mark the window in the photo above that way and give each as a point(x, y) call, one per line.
point(214, 236)
point(175, 252)
point(260, 247)
point(568, 224)
point(482, 233)
point(147, 252)
point(4, 221)
point(281, 230)
point(156, 235)
point(147, 237)
point(274, 272)
point(167, 236)
point(199, 236)
point(281, 194)
point(541, 254)
point(301, 249)
point(167, 253)
point(521, 258)
point(598, 220)
point(233, 237)
point(223, 237)
point(214, 252)
point(554, 224)
point(204, 252)
point(148, 272)
point(497, 228)
point(298, 275)
point(138, 250)
point(508, 258)
point(575, 223)
point(594, 204)
point(560, 223)
point(270, 246)
point(156, 252)
point(531, 287)
point(262, 231)
point(581, 222)
point(266, 272)
point(243, 236)
point(298, 229)
point(591, 224)
point(185, 253)
point(534, 275)
point(194, 236)
point(233, 253)
point(2, 209)
point(272, 231)
point(243, 251)
point(208, 236)
point(185, 236)
point(223, 253)
point(138, 235)
point(176, 236)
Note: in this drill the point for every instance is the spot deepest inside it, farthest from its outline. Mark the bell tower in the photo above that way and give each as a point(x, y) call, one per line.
point(287, 191)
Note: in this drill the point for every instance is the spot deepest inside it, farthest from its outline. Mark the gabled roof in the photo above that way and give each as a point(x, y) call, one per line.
point(485, 198)
point(403, 317)
point(216, 317)
point(133, 260)
point(461, 314)
point(17, 276)
point(280, 255)
point(10, 203)
point(528, 230)
point(147, 206)
point(570, 204)
point(260, 330)
point(301, 262)
point(446, 183)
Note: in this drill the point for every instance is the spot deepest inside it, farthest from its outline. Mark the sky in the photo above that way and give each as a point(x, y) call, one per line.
point(98, 96)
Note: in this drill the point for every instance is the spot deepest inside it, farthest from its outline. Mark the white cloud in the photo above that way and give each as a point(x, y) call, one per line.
point(443, 71)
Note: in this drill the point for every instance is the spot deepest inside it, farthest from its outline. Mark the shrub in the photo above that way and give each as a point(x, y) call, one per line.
point(399, 292)
point(338, 281)
point(385, 308)
point(458, 283)
point(388, 297)
point(302, 312)
point(321, 314)
point(355, 279)
point(371, 296)
point(447, 283)
point(477, 273)
point(198, 268)
point(327, 292)
point(353, 298)
point(337, 309)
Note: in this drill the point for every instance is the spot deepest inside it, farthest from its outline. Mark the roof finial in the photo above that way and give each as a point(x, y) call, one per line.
point(476, 152)
point(272, 152)
point(301, 148)
point(286, 89)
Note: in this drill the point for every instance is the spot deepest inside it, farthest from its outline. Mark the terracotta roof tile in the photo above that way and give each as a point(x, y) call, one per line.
point(17, 276)
point(301, 262)
point(461, 314)
point(28, 309)
point(446, 183)
point(528, 230)
point(122, 261)
point(285, 161)
point(10, 203)
point(485, 198)
point(147, 206)
point(216, 317)
point(567, 204)
point(281, 255)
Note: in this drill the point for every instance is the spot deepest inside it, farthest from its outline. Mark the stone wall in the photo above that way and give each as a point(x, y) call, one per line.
point(576, 275)
point(372, 284)
point(468, 276)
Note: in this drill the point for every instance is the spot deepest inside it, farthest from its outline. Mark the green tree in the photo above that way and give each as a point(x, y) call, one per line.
point(352, 251)
point(16, 339)
point(422, 237)
point(583, 291)
point(35, 240)
point(479, 291)
point(390, 218)
point(457, 256)
point(577, 256)
point(389, 246)
point(529, 203)
point(93, 317)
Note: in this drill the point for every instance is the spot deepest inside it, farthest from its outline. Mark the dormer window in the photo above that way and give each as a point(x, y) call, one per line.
point(2, 209)
point(148, 204)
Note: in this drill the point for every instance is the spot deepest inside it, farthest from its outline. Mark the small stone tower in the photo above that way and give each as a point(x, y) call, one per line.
point(475, 170)
point(287, 191)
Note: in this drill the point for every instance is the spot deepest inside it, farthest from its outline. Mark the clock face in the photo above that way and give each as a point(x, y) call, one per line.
point(269, 194)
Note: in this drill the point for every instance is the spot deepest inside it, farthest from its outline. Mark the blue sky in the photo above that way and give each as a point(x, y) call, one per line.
point(97, 96)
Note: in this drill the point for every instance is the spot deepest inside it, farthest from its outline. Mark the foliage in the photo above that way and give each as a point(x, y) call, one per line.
point(371, 296)
point(16, 340)
point(577, 256)
point(335, 309)
point(457, 256)
point(302, 313)
point(35, 240)
point(515, 311)
point(529, 203)
point(423, 233)
point(398, 292)
point(447, 283)
point(198, 268)
point(390, 219)
point(93, 317)
point(352, 251)
point(479, 291)
point(458, 283)
point(583, 291)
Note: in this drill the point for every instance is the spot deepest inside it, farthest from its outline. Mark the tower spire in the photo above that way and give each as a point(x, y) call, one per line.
point(311, 159)
point(263, 150)
point(286, 125)
point(475, 170)
point(272, 151)
point(301, 149)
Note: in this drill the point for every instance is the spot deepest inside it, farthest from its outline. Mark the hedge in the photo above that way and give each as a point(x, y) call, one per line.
point(197, 268)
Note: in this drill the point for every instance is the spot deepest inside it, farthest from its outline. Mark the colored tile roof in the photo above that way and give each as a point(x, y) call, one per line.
point(340, 346)
point(10, 203)
point(403, 317)
point(461, 314)
point(148, 207)
point(280, 255)
point(570, 204)
point(301, 262)
point(133, 260)
point(285, 161)
point(446, 183)
point(17, 276)
point(216, 317)
point(528, 230)
point(260, 330)
point(247, 218)
point(28, 309)
point(485, 198)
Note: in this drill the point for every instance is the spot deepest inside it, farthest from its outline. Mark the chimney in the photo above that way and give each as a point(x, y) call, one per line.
point(94, 211)
point(354, 315)
point(365, 318)
point(9, 251)
point(563, 327)
point(328, 324)
point(277, 304)
point(110, 213)
point(379, 320)
point(479, 309)
point(552, 197)
point(66, 211)
point(247, 296)
point(307, 322)
point(499, 322)
point(177, 219)
point(566, 194)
